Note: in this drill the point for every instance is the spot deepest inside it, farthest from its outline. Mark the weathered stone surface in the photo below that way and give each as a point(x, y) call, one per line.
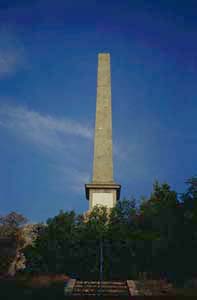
point(100, 288)
point(103, 162)
point(103, 190)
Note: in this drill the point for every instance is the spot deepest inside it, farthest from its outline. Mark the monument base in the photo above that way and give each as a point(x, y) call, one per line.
point(105, 194)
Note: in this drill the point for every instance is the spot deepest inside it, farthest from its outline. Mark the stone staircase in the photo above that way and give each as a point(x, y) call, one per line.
point(97, 288)
point(125, 288)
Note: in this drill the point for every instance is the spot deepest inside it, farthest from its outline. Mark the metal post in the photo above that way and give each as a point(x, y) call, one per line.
point(101, 260)
point(110, 261)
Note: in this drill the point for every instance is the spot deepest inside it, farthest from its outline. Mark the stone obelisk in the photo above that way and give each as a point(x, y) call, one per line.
point(103, 190)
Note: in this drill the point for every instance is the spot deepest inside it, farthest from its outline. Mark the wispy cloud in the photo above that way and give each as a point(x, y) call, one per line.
point(65, 141)
point(10, 60)
point(71, 177)
point(12, 54)
point(45, 131)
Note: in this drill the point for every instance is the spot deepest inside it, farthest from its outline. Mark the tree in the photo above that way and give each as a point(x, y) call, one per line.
point(10, 224)
point(160, 219)
point(188, 229)
point(12, 241)
point(53, 248)
point(152, 238)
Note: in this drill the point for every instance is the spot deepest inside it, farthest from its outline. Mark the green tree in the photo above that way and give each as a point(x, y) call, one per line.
point(52, 251)
point(188, 230)
point(157, 237)
point(159, 219)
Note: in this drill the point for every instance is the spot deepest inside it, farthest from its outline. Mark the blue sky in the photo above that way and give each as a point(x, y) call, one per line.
point(48, 66)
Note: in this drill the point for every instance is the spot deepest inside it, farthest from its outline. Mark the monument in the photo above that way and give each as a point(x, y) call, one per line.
point(103, 190)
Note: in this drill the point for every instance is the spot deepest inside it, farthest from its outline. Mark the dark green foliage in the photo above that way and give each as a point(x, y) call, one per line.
point(18, 289)
point(156, 239)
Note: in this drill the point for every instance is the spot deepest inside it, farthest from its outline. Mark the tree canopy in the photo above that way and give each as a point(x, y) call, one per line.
point(157, 237)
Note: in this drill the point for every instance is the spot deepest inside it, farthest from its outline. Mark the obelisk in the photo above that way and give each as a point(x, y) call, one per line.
point(103, 190)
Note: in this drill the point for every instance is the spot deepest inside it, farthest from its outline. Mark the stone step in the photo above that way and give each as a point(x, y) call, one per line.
point(97, 294)
point(103, 282)
point(104, 290)
point(101, 293)
point(97, 288)
point(100, 289)
point(102, 285)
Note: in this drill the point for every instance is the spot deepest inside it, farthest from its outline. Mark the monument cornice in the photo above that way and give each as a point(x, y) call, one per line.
point(102, 186)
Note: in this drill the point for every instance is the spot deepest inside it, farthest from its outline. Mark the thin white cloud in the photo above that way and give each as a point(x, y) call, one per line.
point(12, 56)
point(72, 177)
point(9, 62)
point(42, 130)
point(64, 141)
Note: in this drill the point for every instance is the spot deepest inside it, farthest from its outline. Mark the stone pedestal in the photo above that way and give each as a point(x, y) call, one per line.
point(102, 194)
